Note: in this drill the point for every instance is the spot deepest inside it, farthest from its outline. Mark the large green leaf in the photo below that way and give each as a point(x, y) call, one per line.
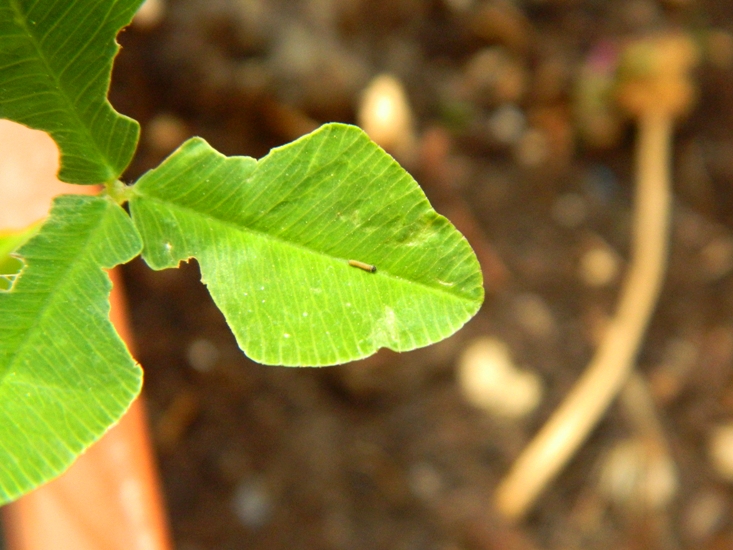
point(273, 239)
point(55, 64)
point(65, 375)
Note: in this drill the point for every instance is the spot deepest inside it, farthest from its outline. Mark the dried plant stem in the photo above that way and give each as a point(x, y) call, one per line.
point(571, 423)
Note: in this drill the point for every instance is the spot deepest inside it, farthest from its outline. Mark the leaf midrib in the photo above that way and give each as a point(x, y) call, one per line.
point(284, 242)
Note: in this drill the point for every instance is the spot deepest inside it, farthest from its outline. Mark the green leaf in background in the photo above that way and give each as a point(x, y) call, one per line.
point(273, 239)
point(65, 375)
point(55, 64)
point(10, 266)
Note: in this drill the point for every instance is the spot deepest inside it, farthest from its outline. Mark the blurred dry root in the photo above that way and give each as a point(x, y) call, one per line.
point(653, 86)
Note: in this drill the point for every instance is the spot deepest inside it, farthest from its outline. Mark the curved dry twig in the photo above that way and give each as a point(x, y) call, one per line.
point(572, 422)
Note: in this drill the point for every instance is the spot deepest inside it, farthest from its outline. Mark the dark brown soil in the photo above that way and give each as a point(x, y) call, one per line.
point(387, 453)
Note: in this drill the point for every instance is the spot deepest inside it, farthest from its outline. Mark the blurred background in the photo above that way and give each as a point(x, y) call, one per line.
point(505, 114)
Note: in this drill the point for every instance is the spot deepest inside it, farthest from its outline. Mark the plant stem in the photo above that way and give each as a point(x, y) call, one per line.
point(118, 191)
point(572, 422)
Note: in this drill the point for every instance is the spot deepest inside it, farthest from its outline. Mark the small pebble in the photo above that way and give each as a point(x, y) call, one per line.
point(386, 116)
point(252, 503)
point(533, 314)
point(507, 124)
point(599, 266)
point(424, 481)
point(720, 451)
point(202, 355)
point(165, 132)
point(296, 52)
point(489, 380)
point(639, 476)
point(149, 15)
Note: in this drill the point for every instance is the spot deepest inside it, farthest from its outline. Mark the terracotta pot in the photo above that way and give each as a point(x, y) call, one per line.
point(110, 498)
